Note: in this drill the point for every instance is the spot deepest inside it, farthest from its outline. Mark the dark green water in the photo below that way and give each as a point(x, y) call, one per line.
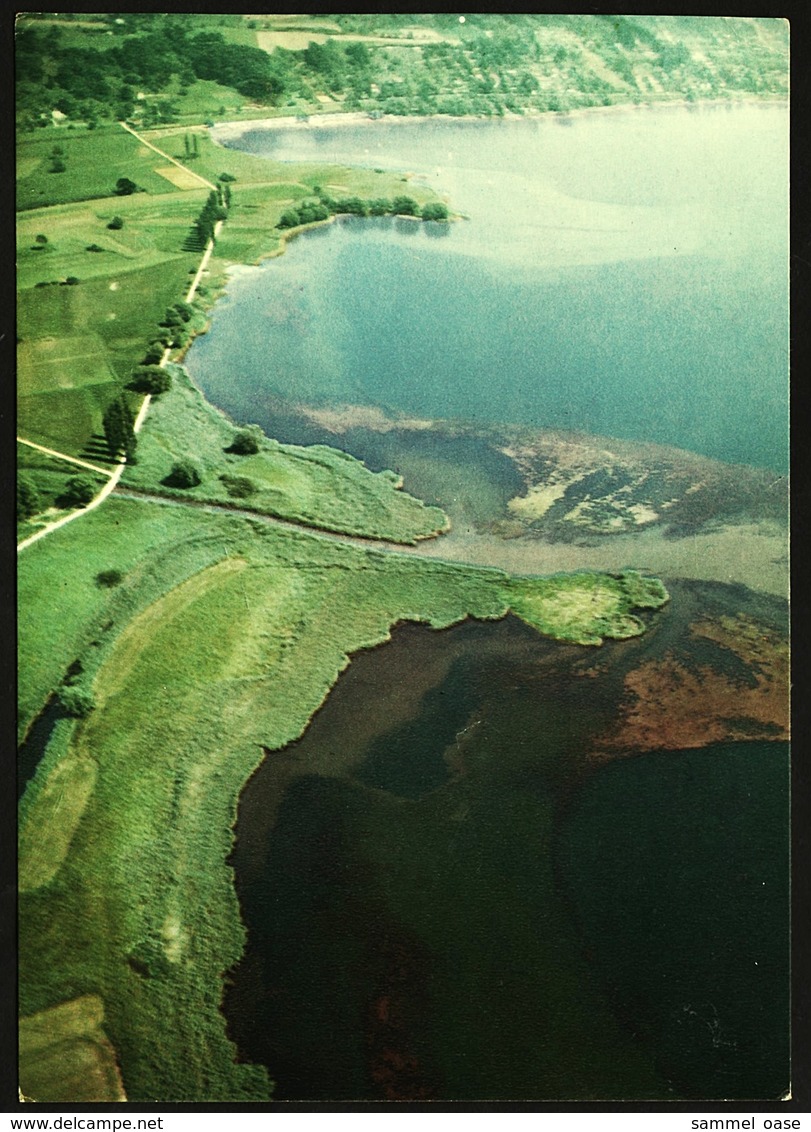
point(625, 276)
point(677, 867)
point(460, 910)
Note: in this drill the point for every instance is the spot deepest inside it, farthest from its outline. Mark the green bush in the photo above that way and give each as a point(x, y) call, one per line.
point(28, 498)
point(154, 353)
point(405, 206)
point(353, 205)
point(239, 487)
point(79, 490)
point(109, 578)
point(289, 219)
point(246, 442)
point(184, 473)
point(434, 211)
point(116, 223)
point(151, 379)
point(124, 187)
point(76, 701)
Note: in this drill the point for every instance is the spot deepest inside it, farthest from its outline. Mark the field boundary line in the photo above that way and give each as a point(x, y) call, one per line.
point(174, 160)
point(115, 476)
point(108, 488)
point(64, 456)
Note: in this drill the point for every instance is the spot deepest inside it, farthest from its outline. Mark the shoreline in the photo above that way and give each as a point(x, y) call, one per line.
point(230, 130)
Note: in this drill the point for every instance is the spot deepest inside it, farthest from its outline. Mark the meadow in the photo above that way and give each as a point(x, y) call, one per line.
point(317, 486)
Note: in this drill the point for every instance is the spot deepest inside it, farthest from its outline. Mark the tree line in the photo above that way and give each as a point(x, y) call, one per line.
point(489, 65)
point(309, 211)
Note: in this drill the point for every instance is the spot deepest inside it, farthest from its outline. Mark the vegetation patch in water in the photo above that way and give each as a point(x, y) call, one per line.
point(586, 607)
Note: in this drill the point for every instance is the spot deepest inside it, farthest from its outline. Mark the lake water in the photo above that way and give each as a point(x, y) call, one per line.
point(444, 899)
point(619, 273)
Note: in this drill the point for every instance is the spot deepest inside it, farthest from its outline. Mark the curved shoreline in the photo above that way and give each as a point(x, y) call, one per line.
point(227, 131)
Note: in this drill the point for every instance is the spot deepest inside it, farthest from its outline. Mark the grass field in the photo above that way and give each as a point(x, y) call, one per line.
point(317, 486)
point(67, 1045)
point(94, 160)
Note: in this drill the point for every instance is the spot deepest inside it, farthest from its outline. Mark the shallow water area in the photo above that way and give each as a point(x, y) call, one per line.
point(624, 275)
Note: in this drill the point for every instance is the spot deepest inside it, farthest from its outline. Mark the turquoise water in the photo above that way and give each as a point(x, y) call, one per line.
point(624, 275)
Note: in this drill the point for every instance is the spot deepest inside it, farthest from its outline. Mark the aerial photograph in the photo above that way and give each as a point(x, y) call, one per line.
point(402, 558)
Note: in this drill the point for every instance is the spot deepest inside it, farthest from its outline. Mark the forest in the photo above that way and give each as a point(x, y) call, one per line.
point(146, 68)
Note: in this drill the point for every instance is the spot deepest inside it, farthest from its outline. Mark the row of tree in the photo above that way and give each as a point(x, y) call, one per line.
point(310, 211)
point(214, 210)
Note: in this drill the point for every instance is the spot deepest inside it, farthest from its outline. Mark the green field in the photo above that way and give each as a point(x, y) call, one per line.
point(316, 486)
point(94, 160)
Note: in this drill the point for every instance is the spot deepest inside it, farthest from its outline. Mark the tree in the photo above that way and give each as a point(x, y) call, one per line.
point(353, 205)
point(184, 473)
point(28, 498)
point(76, 701)
point(289, 219)
point(42, 240)
point(152, 379)
point(116, 223)
point(119, 429)
point(153, 354)
point(434, 210)
point(109, 578)
point(124, 187)
point(57, 165)
point(79, 490)
point(405, 206)
point(246, 442)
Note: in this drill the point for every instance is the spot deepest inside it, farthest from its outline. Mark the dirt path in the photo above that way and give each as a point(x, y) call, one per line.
point(110, 486)
point(64, 456)
point(115, 476)
point(173, 160)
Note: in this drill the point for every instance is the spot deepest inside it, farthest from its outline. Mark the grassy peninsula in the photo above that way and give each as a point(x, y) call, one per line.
point(173, 644)
point(220, 641)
